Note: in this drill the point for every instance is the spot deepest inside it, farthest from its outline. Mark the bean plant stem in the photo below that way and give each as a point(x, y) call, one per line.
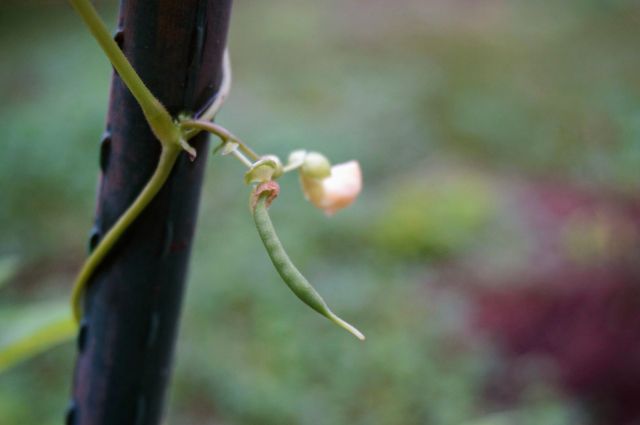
point(159, 119)
point(242, 158)
point(222, 133)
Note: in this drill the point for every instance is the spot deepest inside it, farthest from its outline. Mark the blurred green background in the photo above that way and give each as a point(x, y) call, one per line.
point(500, 146)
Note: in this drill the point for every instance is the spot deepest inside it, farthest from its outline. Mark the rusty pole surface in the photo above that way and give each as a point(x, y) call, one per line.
point(132, 305)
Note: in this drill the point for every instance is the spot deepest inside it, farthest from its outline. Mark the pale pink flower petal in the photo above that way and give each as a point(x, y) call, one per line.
point(337, 191)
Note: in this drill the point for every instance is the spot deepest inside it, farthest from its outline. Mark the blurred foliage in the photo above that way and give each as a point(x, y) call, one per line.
point(545, 90)
point(8, 268)
point(31, 329)
point(434, 217)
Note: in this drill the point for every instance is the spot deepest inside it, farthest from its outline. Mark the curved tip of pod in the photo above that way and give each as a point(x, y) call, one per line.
point(348, 327)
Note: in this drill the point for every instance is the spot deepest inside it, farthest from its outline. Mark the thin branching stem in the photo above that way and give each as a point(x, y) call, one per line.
point(222, 133)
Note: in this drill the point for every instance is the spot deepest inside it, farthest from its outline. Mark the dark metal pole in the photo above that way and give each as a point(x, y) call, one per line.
point(132, 305)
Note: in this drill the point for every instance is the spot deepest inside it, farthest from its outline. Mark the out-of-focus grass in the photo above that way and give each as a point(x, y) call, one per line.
point(518, 88)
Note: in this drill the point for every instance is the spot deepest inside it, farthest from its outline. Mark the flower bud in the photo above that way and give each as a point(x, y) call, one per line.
point(296, 158)
point(316, 166)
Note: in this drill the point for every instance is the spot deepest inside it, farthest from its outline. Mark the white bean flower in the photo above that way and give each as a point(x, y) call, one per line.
point(327, 187)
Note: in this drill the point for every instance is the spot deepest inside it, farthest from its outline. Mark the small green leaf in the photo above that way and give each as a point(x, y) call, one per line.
point(218, 148)
point(229, 147)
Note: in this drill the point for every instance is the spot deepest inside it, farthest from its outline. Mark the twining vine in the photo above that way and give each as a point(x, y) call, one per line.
point(329, 188)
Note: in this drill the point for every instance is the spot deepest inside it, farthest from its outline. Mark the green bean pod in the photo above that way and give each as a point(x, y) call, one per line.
point(287, 270)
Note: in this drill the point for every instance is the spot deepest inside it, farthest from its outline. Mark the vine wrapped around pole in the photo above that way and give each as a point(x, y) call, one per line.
point(133, 299)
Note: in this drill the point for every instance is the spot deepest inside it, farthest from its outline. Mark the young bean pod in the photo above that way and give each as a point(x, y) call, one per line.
point(287, 270)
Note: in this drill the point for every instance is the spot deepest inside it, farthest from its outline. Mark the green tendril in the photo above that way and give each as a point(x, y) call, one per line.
point(162, 125)
point(168, 158)
point(287, 270)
